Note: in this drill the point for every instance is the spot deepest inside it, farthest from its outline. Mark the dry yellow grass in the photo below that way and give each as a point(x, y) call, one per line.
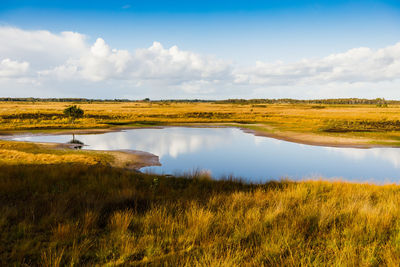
point(58, 215)
point(17, 153)
point(19, 157)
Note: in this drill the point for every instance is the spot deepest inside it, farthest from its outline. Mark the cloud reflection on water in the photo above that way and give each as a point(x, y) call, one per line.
point(391, 155)
point(157, 142)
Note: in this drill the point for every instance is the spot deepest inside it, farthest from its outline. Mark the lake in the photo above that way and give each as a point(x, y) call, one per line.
point(230, 151)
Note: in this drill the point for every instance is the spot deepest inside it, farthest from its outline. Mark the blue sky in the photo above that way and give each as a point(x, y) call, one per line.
point(269, 29)
point(238, 32)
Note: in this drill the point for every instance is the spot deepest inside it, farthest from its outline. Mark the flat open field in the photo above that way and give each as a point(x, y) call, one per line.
point(308, 123)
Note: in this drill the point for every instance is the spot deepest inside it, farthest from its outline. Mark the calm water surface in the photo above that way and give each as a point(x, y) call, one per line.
point(230, 151)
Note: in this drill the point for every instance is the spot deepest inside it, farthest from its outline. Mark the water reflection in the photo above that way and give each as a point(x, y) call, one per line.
point(156, 141)
point(230, 151)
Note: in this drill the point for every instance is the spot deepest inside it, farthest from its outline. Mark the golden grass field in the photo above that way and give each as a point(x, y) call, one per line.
point(86, 215)
point(62, 207)
point(324, 124)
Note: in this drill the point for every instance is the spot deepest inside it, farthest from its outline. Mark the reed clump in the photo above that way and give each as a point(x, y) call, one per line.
point(85, 215)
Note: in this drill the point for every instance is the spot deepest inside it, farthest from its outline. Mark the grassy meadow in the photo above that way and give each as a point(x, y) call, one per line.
point(63, 207)
point(85, 215)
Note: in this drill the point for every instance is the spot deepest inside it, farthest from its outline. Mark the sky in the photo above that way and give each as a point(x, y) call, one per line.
point(200, 49)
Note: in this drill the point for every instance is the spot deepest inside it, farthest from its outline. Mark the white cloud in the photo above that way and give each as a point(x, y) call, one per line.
point(66, 64)
point(42, 49)
point(102, 63)
point(176, 65)
point(10, 68)
point(169, 66)
point(354, 66)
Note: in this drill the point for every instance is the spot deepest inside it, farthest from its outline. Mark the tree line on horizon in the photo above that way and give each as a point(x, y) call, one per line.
point(351, 101)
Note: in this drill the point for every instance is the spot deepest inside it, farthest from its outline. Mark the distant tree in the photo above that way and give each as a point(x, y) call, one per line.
point(73, 112)
point(381, 102)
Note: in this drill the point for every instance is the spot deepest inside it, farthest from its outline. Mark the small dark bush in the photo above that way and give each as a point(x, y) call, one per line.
point(74, 112)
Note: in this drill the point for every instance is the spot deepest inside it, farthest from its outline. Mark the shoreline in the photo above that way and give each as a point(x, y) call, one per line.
point(307, 139)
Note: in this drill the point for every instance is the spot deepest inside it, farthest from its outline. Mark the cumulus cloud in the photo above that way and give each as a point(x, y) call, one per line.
point(177, 65)
point(68, 59)
point(356, 65)
point(10, 68)
point(41, 49)
point(96, 63)
point(156, 63)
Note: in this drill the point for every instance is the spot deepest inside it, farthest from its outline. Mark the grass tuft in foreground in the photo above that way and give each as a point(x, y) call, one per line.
point(58, 214)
